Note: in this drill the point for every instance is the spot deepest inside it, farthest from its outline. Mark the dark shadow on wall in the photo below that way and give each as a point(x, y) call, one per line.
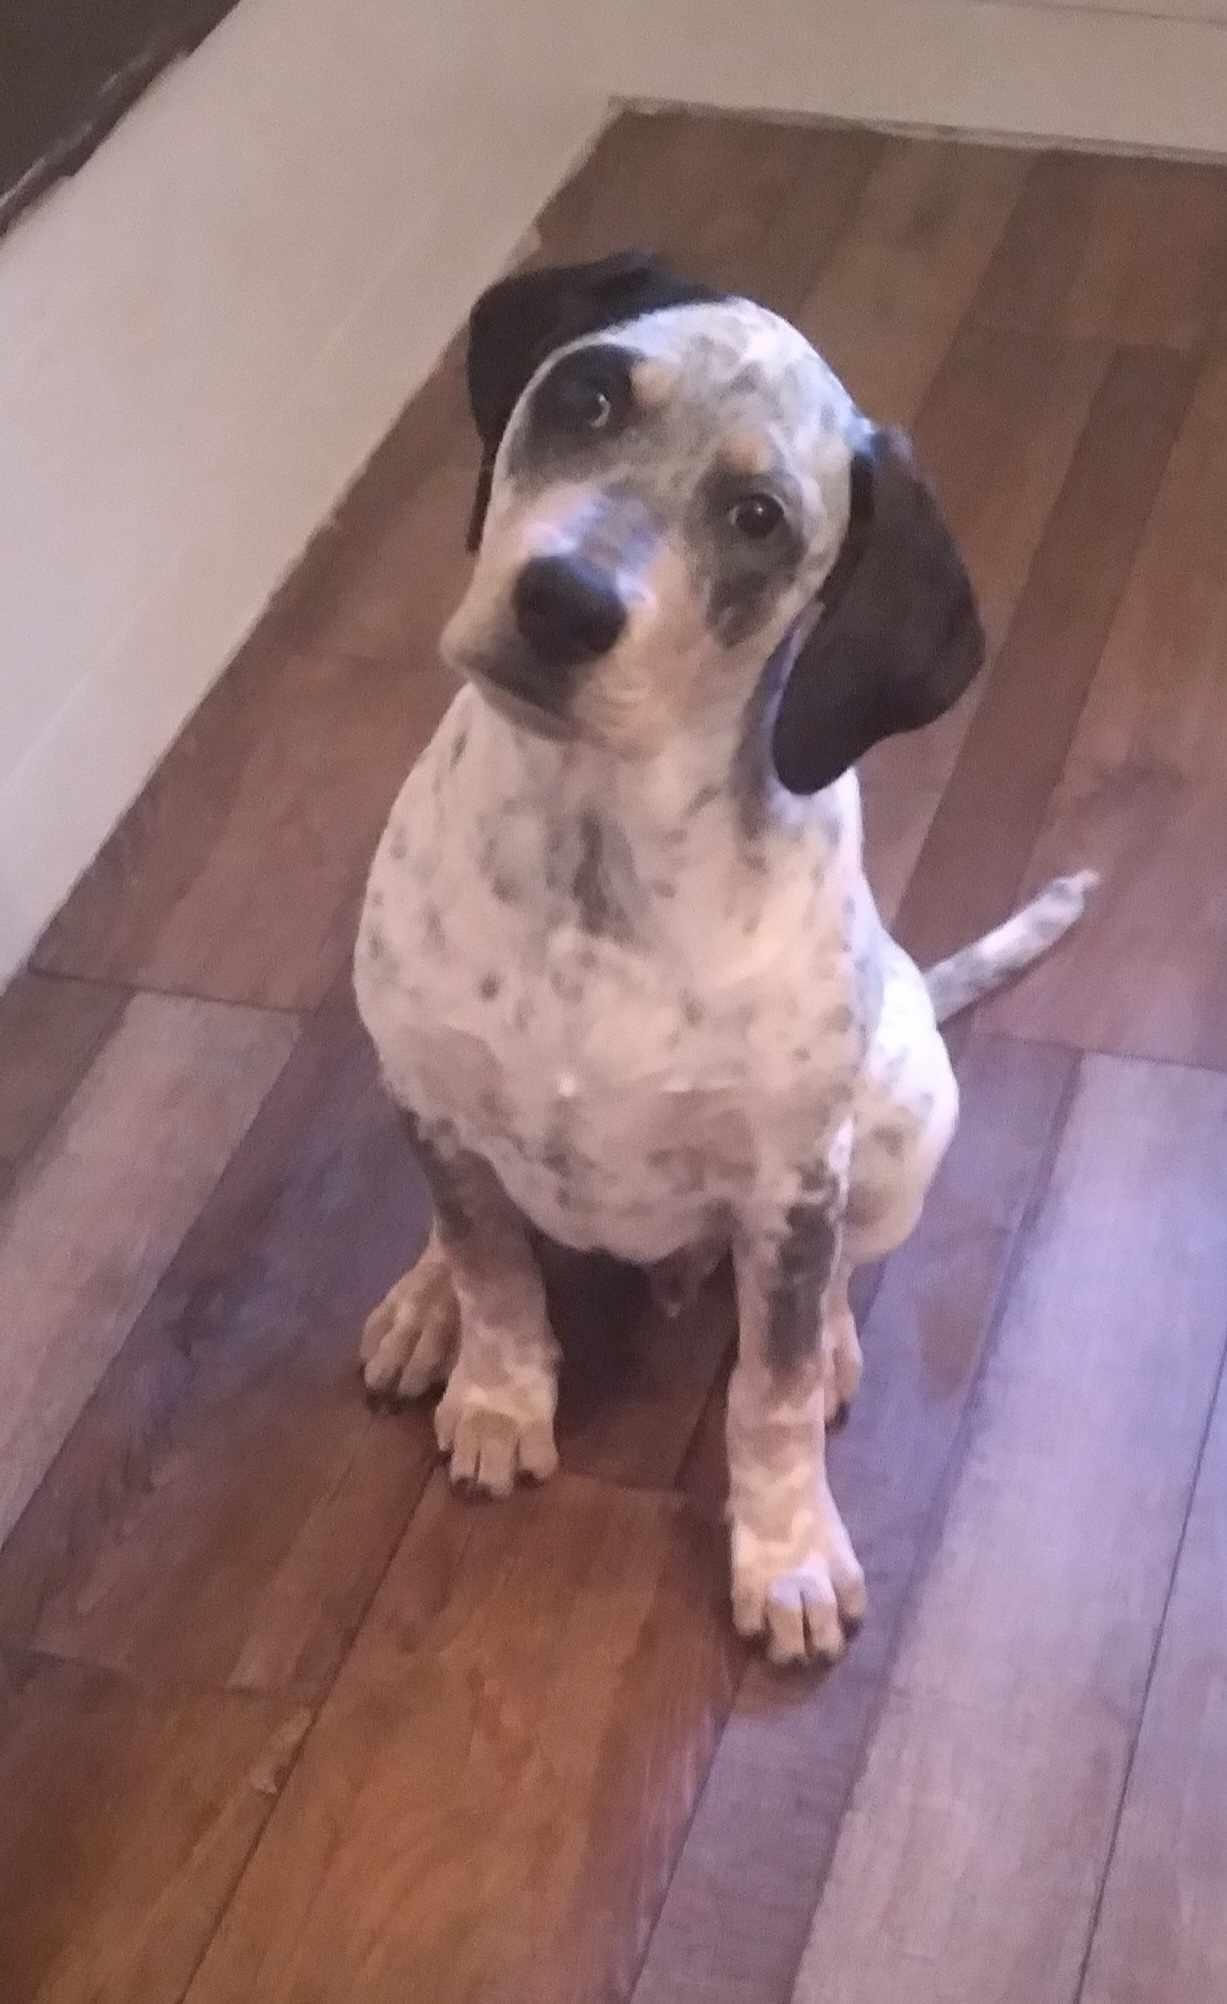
point(69, 69)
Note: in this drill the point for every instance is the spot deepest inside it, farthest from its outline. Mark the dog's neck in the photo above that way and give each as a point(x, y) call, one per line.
point(705, 828)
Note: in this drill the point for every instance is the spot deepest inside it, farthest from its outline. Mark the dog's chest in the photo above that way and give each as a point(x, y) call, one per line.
point(626, 1092)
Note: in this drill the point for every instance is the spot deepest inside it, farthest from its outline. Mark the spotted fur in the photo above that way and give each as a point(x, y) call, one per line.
point(632, 988)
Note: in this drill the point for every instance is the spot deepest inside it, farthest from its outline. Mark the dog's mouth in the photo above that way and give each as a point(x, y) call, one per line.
point(521, 705)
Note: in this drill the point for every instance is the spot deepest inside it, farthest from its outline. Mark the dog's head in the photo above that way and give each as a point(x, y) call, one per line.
point(683, 521)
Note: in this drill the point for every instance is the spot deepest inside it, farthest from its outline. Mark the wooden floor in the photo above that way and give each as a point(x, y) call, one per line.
point(281, 1721)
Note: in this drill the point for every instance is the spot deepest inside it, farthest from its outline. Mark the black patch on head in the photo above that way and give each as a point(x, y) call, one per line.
point(520, 321)
point(398, 845)
point(490, 986)
point(804, 1262)
point(459, 747)
point(579, 410)
point(598, 908)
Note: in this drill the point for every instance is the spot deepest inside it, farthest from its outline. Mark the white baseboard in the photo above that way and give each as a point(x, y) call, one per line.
point(206, 333)
point(1087, 75)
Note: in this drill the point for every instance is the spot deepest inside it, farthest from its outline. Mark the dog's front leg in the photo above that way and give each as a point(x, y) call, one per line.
point(477, 1288)
point(796, 1579)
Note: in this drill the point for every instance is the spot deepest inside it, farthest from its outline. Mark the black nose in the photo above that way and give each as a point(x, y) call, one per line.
point(567, 610)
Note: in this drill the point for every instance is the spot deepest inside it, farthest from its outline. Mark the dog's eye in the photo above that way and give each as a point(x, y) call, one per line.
point(595, 411)
point(585, 398)
point(756, 516)
point(579, 405)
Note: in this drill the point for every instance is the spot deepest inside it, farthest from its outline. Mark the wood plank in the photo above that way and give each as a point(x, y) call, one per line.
point(94, 1219)
point(645, 184)
point(237, 873)
point(887, 304)
point(491, 1801)
point(971, 1855)
point(1142, 797)
point(996, 434)
point(225, 1507)
point(737, 202)
point(388, 591)
point(127, 1821)
point(1160, 1938)
point(1012, 755)
point(742, 1897)
point(1121, 249)
point(49, 1031)
point(791, 194)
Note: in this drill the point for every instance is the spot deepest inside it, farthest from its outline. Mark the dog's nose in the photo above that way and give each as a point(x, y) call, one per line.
point(568, 610)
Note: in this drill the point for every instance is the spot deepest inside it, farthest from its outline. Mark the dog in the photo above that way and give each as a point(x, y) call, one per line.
point(618, 956)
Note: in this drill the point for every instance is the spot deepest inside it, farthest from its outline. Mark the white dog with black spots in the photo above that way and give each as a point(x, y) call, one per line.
point(619, 957)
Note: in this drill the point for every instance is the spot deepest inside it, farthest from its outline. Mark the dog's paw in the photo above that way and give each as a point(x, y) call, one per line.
point(803, 1609)
point(410, 1341)
point(842, 1364)
point(494, 1441)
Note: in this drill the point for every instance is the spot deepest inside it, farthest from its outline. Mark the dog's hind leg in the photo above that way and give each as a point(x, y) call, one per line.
point(841, 1350)
point(906, 1111)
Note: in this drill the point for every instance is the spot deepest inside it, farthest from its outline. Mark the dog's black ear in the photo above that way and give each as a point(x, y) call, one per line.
point(522, 319)
point(898, 636)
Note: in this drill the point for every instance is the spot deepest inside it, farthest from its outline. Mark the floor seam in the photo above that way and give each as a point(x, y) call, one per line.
point(1096, 1912)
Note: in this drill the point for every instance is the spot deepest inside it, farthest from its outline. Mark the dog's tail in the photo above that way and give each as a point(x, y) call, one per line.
point(975, 971)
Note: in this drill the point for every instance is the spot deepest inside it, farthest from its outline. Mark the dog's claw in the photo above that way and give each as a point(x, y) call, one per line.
point(804, 1610)
point(490, 1450)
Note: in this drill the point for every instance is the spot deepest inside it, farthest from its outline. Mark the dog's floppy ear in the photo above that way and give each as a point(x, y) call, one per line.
point(898, 636)
point(522, 319)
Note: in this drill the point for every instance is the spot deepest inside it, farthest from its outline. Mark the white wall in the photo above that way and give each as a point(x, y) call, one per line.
point(1120, 72)
point(203, 335)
